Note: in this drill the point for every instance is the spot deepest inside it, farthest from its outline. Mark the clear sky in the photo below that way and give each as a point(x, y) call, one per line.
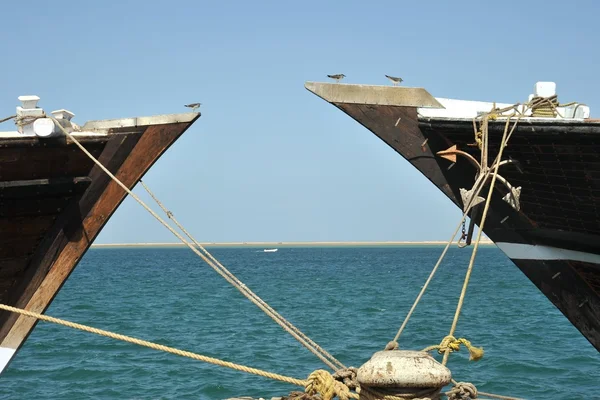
point(268, 160)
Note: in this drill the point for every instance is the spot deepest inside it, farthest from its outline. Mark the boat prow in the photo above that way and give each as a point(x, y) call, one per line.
point(544, 213)
point(54, 200)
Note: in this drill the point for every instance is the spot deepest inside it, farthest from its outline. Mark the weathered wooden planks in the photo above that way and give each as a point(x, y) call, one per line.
point(10, 208)
point(25, 226)
point(129, 156)
point(24, 163)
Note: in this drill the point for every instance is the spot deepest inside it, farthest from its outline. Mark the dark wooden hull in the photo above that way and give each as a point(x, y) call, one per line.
point(54, 201)
point(555, 236)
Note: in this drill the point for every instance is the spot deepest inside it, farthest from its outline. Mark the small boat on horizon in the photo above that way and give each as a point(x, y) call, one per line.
point(270, 250)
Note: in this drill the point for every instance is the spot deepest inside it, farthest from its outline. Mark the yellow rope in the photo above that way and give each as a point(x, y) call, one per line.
point(451, 344)
point(544, 106)
point(394, 343)
point(156, 346)
point(321, 382)
point(463, 292)
point(227, 276)
point(318, 382)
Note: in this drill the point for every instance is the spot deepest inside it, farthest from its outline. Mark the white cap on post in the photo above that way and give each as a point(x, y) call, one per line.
point(29, 101)
point(544, 89)
point(62, 114)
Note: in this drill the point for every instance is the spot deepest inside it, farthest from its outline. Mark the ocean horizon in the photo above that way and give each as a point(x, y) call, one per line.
point(350, 300)
point(286, 244)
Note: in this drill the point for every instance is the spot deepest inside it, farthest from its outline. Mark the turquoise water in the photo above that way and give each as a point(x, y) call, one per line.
point(349, 300)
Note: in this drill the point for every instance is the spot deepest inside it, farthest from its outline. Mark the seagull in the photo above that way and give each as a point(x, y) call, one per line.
point(193, 106)
point(337, 77)
point(394, 80)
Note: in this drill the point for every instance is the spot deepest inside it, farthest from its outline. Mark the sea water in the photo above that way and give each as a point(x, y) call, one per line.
point(350, 300)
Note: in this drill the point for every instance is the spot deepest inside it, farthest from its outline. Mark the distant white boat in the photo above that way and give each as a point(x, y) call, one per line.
point(270, 250)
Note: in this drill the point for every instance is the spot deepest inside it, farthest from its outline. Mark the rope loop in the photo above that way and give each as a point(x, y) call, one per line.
point(323, 383)
point(462, 391)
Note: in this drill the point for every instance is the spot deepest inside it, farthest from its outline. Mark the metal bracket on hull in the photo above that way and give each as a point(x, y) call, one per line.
point(513, 195)
point(512, 198)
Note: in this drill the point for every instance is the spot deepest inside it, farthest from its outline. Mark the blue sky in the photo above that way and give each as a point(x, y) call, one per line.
point(268, 160)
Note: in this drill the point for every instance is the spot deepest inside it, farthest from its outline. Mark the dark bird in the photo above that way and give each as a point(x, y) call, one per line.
point(337, 77)
point(394, 80)
point(193, 106)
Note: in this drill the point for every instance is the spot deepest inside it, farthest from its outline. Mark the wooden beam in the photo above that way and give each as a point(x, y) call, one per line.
point(40, 188)
point(115, 151)
point(25, 226)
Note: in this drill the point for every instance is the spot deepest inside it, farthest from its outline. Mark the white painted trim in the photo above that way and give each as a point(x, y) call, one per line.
point(454, 108)
point(139, 121)
point(17, 135)
point(518, 251)
point(6, 354)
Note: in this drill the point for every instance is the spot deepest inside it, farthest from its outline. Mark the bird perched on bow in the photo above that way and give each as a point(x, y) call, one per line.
point(394, 79)
point(337, 77)
point(193, 106)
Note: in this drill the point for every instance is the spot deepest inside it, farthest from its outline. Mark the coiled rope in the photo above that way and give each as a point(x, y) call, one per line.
point(544, 106)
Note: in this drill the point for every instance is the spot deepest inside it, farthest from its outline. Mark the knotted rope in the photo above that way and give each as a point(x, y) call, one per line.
point(450, 344)
point(328, 386)
point(348, 377)
point(466, 390)
point(503, 143)
point(462, 391)
point(322, 382)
